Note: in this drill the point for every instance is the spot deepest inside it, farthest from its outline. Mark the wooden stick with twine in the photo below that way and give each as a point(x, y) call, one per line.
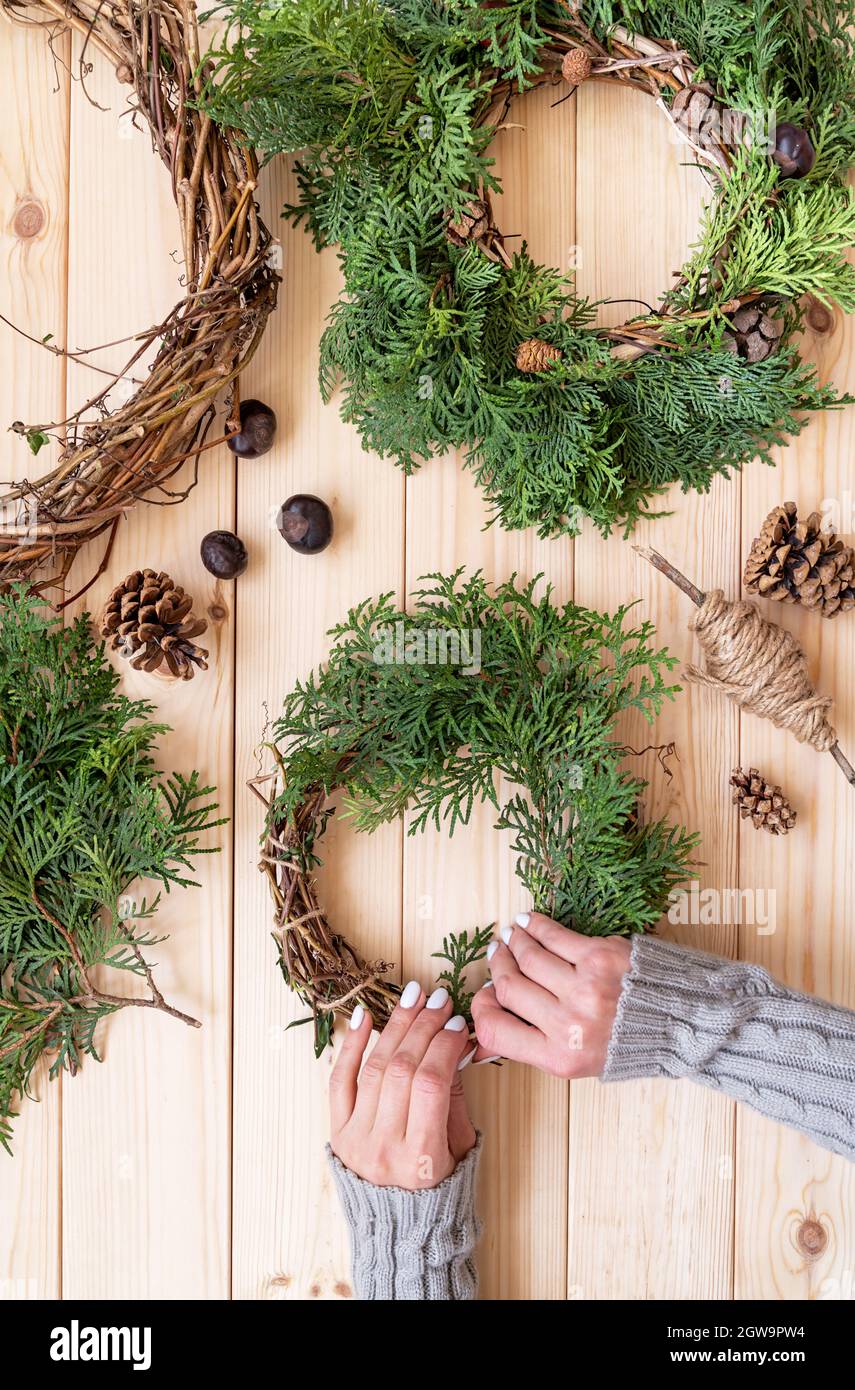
point(761, 667)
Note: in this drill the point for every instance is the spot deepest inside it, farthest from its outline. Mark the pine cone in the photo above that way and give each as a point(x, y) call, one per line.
point(795, 561)
point(767, 806)
point(576, 67)
point(535, 356)
point(148, 621)
point(752, 334)
point(472, 224)
point(697, 115)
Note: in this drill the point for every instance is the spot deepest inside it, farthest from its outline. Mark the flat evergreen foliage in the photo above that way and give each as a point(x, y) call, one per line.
point(84, 817)
point(385, 102)
point(429, 738)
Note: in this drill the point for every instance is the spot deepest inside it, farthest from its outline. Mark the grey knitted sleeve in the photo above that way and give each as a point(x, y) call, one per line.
point(729, 1025)
point(412, 1245)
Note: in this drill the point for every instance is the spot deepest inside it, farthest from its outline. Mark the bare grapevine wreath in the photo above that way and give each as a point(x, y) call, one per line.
point(112, 457)
point(418, 725)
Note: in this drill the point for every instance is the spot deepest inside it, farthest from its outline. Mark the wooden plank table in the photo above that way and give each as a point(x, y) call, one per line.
point(190, 1165)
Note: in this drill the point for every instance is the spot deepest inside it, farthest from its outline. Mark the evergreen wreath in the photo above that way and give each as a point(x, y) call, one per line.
point(113, 455)
point(393, 735)
point(84, 816)
point(445, 338)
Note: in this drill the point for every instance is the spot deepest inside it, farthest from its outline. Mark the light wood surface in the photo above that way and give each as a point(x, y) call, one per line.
point(191, 1163)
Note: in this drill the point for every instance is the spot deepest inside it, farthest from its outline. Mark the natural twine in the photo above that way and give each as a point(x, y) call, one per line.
point(761, 667)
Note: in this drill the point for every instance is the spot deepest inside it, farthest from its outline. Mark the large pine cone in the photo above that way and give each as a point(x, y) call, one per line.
point(534, 355)
point(767, 806)
point(795, 561)
point(148, 621)
point(753, 334)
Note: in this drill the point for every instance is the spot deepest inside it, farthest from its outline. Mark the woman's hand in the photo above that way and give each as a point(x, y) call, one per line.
point(553, 997)
point(402, 1121)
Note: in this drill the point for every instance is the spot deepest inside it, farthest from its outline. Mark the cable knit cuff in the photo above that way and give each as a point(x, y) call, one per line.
point(412, 1245)
point(676, 1009)
point(729, 1025)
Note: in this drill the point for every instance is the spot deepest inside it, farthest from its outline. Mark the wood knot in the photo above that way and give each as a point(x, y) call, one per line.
point(29, 219)
point(819, 317)
point(217, 613)
point(811, 1238)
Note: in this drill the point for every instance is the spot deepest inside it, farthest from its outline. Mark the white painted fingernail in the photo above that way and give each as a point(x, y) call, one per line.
point(410, 994)
point(438, 998)
point(357, 1016)
point(506, 933)
point(484, 1060)
point(488, 984)
point(522, 919)
point(456, 1024)
point(464, 1061)
point(492, 949)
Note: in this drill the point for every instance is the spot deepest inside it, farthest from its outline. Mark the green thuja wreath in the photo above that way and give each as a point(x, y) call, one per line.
point(444, 339)
point(85, 818)
point(531, 691)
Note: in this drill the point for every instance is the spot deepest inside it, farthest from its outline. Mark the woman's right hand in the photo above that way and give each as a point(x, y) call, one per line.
point(402, 1121)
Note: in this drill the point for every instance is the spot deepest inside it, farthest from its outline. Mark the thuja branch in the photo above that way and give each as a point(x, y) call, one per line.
point(85, 815)
point(156, 1001)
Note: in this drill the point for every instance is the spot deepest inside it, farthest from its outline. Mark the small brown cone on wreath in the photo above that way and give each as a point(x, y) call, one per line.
point(534, 355)
point(148, 620)
point(793, 561)
point(576, 67)
point(697, 115)
point(765, 804)
point(753, 334)
point(473, 222)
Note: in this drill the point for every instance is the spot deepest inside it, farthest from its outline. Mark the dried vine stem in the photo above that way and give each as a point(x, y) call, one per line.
point(110, 458)
point(318, 963)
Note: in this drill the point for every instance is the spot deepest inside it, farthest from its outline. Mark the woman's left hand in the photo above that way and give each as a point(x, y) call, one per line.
point(402, 1121)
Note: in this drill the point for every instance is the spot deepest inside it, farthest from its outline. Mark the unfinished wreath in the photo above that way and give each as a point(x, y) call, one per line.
point(419, 712)
point(445, 338)
point(112, 456)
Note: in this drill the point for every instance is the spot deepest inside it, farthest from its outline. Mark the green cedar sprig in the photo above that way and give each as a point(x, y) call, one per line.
point(85, 818)
point(461, 951)
point(383, 101)
point(535, 696)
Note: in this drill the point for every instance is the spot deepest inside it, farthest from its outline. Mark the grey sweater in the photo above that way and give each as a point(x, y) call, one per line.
point(726, 1024)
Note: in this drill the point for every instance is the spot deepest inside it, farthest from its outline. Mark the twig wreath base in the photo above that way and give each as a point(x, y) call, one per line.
point(448, 335)
point(113, 457)
point(388, 736)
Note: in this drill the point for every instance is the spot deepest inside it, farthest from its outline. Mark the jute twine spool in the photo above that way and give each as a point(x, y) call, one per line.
point(761, 667)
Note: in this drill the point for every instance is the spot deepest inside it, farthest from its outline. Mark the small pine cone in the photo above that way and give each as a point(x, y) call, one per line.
point(752, 334)
point(472, 224)
point(576, 67)
point(767, 806)
point(698, 116)
point(534, 355)
point(148, 620)
point(794, 561)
